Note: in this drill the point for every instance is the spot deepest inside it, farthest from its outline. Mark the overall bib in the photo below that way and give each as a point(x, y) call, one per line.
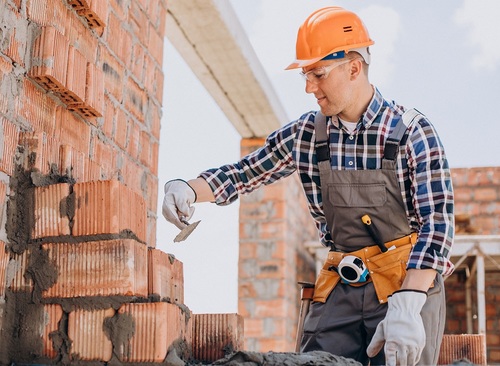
point(343, 316)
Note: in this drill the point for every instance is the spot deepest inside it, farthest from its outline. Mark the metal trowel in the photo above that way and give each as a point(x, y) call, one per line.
point(186, 231)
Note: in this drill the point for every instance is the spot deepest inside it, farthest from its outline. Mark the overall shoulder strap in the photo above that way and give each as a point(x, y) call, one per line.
point(322, 149)
point(392, 144)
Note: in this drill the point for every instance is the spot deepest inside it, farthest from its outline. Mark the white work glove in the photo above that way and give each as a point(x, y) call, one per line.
point(402, 329)
point(179, 196)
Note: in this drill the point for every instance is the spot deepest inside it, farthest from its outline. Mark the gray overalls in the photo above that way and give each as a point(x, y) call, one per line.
point(345, 323)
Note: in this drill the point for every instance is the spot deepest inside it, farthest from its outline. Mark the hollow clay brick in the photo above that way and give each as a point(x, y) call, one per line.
point(50, 211)
point(215, 333)
point(165, 276)
point(50, 59)
point(157, 326)
point(108, 207)
point(4, 260)
point(9, 134)
point(52, 316)
point(98, 268)
point(86, 332)
point(16, 273)
point(456, 347)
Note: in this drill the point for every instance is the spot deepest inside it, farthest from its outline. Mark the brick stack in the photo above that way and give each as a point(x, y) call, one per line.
point(80, 107)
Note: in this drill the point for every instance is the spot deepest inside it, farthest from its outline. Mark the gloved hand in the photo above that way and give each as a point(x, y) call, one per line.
point(179, 196)
point(402, 329)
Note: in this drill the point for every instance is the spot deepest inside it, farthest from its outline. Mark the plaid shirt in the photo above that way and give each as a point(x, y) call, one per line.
point(422, 172)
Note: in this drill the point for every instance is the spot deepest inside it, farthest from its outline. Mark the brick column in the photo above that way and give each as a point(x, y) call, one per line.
point(274, 224)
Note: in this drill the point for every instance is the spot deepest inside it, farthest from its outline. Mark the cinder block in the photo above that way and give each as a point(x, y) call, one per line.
point(213, 334)
point(51, 211)
point(457, 347)
point(52, 314)
point(157, 326)
point(98, 268)
point(166, 276)
point(108, 207)
point(88, 338)
point(4, 260)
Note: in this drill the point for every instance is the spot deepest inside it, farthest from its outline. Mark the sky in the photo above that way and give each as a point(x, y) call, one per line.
point(441, 57)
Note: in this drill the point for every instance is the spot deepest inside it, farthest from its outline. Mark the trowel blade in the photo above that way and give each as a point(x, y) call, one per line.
point(186, 232)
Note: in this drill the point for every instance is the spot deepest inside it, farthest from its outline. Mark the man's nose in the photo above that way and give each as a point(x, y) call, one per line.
point(311, 87)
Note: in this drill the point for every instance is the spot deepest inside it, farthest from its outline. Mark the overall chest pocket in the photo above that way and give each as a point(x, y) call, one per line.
point(357, 194)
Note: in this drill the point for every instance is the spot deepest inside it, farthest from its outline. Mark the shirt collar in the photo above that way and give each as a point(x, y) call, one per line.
point(373, 109)
point(371, 113)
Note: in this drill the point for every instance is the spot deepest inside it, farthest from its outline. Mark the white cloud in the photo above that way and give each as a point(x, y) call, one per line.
point(385, 34)
point(481, 20)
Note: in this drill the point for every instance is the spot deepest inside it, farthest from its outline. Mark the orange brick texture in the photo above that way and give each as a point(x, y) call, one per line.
point(80, 110)
point(477, 198)
point(274, 224)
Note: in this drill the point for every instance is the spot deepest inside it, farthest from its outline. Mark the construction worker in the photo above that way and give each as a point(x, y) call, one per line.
point(378, 186)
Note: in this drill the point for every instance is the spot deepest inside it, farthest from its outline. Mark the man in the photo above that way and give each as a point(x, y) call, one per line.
point(378, 187)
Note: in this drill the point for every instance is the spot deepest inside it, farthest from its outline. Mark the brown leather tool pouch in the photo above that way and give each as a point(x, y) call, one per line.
point(325, 283)
point(387, 270)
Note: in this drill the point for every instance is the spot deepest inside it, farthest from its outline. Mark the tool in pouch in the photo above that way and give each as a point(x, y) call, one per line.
point(186, 231)
point(352, 269)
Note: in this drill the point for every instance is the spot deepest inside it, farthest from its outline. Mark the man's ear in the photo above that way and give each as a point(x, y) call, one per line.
point(356, 68)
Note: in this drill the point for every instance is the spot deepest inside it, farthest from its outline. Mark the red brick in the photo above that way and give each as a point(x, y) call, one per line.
point(104, 154)
point(108, 207)
point(52, 316)
point(121, 128)
point(487, 194)
point(166, 276)
point(80, 37)
point(137, 62)
point(19, 264)
point(98, 268)
point(86, 333)
point(4, 260)
point(138, 21)
point(213, 334)
point(50, 63)
point(133, 139)
point(457, 347)
point(41, 151)
point(49, 220)
point(72, 162)
point(36, 108)
point(135, 100)
point(9, 137)
point(75, 79)
point(157, 326)
point(118, 39)
point(155, 120)
point(94, 92)
point(49, 13)
point(155, 45)
point(74, 131)
point(145, 148)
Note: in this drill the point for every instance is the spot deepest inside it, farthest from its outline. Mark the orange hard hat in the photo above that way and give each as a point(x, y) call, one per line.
point(328, 31)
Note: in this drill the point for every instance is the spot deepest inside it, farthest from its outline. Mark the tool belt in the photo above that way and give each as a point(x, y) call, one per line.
point(386, 270)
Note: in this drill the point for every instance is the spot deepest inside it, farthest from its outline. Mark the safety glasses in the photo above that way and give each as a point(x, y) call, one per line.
point(321, 73)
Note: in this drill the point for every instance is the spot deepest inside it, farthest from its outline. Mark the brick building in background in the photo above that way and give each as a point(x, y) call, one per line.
point(81, 88)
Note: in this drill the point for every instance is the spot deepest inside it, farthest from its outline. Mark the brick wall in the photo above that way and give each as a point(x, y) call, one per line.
point(477, 207)
point(273, 228)
point(81, 87)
